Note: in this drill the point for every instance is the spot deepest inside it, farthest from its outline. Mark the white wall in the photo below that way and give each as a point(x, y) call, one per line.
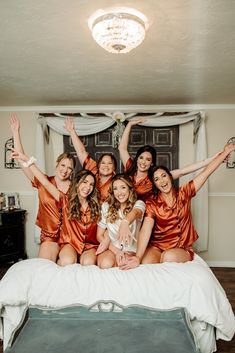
point(14, 180)
point(220, 127)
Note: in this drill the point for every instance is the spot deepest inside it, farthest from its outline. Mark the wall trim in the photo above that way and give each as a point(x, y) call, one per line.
point(221, 263)
point(222, 194)
point(21, 193)
point(110, 108)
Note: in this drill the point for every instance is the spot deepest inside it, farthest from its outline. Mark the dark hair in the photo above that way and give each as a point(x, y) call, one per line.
point(145, 148)
point(74, 203)
point(154, 169)
point(113, 159)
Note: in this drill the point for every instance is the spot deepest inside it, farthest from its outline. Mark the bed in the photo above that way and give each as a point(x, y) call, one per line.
point(189, 290)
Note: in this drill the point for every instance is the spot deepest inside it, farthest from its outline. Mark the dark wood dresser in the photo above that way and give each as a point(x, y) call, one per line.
point(12, 235)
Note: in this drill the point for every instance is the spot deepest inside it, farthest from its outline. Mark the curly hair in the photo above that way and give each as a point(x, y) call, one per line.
point(145, 148)
point(114, 204)
point(73, 199)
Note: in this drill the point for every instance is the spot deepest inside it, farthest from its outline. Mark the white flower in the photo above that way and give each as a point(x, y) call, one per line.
point(119, 117)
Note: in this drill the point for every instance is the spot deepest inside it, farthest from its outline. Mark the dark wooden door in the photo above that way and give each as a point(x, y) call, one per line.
point(165, 140)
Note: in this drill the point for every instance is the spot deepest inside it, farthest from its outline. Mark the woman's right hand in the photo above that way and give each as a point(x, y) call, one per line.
point(104, 245)
point(129, 263)
point(120, 257)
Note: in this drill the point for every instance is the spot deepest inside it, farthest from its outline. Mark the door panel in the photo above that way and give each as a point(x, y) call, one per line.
point(165, 140)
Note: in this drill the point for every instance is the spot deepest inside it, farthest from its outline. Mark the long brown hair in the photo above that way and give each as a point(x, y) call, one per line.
point(114, 204)
point(74, 203)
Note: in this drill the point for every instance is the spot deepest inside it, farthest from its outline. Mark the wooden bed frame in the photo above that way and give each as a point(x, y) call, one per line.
point(104, 327)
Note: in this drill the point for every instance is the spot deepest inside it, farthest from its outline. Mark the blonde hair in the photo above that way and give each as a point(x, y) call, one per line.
point(66, 155)
point(114, 204)
point(73, 199)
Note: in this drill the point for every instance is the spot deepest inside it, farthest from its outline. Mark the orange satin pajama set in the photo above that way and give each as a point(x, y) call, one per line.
point(49, 216)
point(81, 235)
point(143, 187)
point(173, 226)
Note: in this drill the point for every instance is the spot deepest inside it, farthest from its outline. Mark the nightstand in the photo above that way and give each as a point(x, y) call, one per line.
point(12, 235)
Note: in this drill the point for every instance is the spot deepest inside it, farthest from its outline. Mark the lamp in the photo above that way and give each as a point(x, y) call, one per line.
point(118, 30)
point(230, 162)
point(10, 163)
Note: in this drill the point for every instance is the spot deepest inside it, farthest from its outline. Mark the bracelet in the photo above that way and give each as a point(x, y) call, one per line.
point(125, 220)
point(29, 162)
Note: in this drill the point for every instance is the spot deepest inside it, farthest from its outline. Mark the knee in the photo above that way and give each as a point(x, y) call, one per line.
point(67, 260)
point(170, 256)
point(105, 263)
point(87, 260)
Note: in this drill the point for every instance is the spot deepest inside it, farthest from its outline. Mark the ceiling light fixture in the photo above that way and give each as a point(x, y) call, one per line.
point(118, 30)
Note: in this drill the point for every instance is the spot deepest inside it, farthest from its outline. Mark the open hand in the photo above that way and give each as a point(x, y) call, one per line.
point(68, 124)
point(14, 123)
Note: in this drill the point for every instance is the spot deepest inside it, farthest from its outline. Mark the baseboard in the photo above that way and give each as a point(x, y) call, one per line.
point(221, 263)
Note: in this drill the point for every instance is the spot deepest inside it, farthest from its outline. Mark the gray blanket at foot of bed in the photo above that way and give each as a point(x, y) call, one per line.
point(104, 328)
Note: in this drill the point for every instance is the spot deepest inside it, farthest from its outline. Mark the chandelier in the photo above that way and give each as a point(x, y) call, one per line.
point(119, 30)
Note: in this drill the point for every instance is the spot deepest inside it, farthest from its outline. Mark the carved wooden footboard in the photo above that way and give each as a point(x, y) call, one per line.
point(105, 327)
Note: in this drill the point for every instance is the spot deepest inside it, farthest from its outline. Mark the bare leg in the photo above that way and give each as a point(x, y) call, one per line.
point(49, 250)
point(106, 259)
point(88, 257)
point(67, 256)
point(151, 256)
point(175, 255)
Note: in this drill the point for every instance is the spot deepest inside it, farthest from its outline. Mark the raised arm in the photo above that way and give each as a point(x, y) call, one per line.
point(15, 128)
point(123, 145)
point(29, 163)
point(202, 177)
point(178, 173)
point(77, 143)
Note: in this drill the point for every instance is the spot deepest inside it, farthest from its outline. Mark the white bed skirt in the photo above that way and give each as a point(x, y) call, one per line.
point(192, 285)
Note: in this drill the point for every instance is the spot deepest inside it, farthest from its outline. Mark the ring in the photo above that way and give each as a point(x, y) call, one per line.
point(121, 246)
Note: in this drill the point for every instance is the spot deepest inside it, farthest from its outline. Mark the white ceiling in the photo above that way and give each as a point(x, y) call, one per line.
point(48, 56)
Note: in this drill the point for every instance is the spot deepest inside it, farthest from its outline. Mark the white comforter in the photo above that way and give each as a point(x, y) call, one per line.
point(191, 285)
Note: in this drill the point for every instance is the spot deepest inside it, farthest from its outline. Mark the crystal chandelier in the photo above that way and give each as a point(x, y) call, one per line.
point(119, 30)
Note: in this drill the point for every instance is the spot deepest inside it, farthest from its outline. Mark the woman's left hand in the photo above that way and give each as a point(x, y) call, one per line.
point(124, 233)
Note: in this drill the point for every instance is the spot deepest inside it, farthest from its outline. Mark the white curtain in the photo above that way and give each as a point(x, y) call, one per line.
point(87, 124)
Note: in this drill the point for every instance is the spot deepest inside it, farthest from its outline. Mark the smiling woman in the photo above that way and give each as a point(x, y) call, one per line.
point(120, 209)
point(168, 233)
point(80, 213)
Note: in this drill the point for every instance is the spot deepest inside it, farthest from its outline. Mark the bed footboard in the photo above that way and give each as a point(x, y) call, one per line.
point(103, 328)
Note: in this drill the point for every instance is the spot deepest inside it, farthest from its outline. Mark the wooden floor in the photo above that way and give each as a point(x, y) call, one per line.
point(226, 277)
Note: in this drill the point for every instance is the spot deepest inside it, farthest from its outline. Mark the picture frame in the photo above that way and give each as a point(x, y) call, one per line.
point(12, 201)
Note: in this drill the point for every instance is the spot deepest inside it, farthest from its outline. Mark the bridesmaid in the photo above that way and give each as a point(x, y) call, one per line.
point(80, 214)
point(104, 169)
point(49, 216)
